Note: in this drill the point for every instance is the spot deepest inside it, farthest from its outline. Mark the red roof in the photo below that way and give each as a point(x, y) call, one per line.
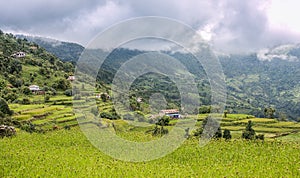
point(169, 111)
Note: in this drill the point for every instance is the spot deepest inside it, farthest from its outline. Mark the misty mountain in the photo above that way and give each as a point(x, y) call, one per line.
point(267, 78)
point(66, 51)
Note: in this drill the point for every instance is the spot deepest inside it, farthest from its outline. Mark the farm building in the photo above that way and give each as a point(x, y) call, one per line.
point(173, 113)
point(71, 78)
point(34, 88)
point(19, 54)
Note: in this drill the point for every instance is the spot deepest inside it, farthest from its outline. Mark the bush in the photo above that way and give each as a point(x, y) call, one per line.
point(25, 101)
point(47, 98)
point(198, 132)
point(164, 121)
point(260, 137)
point(227, 134)
point(28, 127)
point(68, 92)
point(249, 133)
point(159, 131)
point(4, 107)
point(218, 134)
point(209, 126)
point(26, 91)
point(7, 131)
point(108, 116)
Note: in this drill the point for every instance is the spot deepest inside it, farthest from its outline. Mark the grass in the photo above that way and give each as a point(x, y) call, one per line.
point(69, 154)
point(19, 107)
point(256, 120)
point(290, 138)
point(64, 153)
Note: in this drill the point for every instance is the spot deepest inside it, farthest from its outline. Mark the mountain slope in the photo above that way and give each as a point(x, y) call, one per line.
point(24, 63)
point(63, 50)
point(268, 78)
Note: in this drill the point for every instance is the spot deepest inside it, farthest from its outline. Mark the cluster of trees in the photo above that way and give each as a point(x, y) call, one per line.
point(250, 134)
point(212, 129)
point(211, 126)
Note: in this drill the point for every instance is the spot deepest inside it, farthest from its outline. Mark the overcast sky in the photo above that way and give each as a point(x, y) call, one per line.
point(227, 24)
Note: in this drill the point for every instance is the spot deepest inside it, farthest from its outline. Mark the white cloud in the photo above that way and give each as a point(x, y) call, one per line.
point(231, 25)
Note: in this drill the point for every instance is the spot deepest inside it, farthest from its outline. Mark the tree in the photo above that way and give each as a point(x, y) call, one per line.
point(103, 97)
point(26, 91)
point(211, 127)
point(62, 84)
point(163, 121)
point(249, 133)
point(225, 113)
point(269, 112)
point(4, 108)
point(47, 98)
point(226, 134)
point(218, 134)
point(260, 137)
point(2, 84)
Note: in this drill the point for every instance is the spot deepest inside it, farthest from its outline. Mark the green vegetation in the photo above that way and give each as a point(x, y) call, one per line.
point(49, 143)
point(66, 153)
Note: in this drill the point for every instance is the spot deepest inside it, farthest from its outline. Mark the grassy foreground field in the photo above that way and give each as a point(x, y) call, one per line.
point(67, 153)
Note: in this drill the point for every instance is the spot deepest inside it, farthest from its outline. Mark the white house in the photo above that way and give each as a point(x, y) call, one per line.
point(19, 54)
point(71, 78)
point(173, 113)
point(34, 88)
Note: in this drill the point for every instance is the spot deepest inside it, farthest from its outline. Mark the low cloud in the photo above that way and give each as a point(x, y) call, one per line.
point(229, 25)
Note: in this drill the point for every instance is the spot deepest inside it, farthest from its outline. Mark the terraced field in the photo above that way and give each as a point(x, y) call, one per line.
point(58, 113)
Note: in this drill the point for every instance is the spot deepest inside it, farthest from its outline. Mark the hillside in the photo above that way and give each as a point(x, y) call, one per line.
point(268, 78)
point(24, 64)
point(253, 84)
point(63, 50)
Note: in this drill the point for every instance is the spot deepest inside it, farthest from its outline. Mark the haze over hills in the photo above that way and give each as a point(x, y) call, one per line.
point(267, 78)
point(65, 51)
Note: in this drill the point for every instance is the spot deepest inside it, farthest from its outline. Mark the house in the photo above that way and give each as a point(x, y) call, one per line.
point(34, 88)
point(71, 78)
point(173, 113)
point(100, 95)
point(19, 54)
point(139, 99)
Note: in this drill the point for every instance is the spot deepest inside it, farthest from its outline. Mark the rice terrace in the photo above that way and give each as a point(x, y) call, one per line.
point(149, 89)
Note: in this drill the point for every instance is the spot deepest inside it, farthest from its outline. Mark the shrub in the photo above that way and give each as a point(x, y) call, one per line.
point(68, 92)
point(227, 134)
point(25, 101)
point(260, 137)
point(28, 127)
point(218, 134)
point(249, 133)
point(7, 131)
point(159, 131)
point(4, 107)
point(164, 121)
point(108, 116)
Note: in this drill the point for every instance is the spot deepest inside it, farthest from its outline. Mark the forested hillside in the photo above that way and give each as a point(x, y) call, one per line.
point(254, 85)
point(63, 50)
point(24, 63)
